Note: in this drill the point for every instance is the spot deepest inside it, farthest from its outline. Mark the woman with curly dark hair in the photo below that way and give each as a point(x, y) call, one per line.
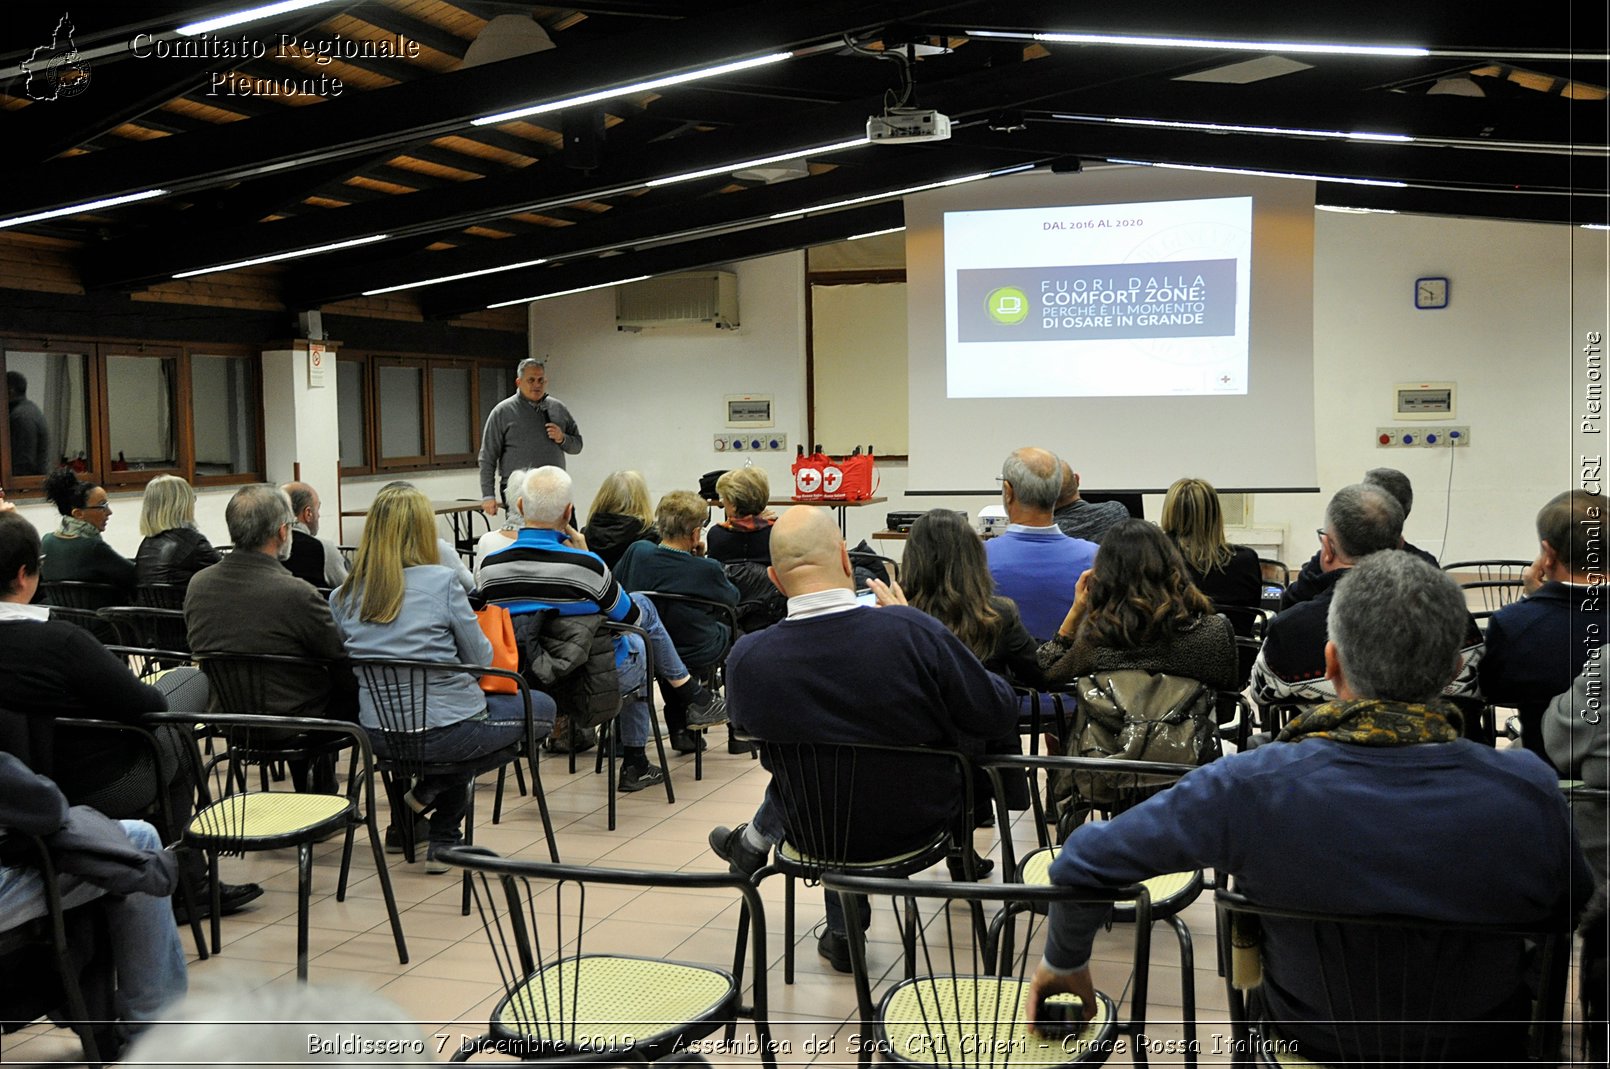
point(75, 551)
point(1136, 607)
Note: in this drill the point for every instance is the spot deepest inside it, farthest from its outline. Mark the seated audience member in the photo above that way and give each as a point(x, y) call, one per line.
point(678, 566)
point(1370, 804)
point(549, 581)
point(947, 577)
point(313, 559)
point(501, 537)
point(837, 671)
point(172, 549)
point(1535, 646)
point(1361, 520)
point(55, 669)
point(620, 516)
point(446, 554)
point(1136, 608)
point(1079, 518)
point(248, 603)
point(1309, 581)
point(400, 604)
point(1034, 563)
point(75, 551)
point(146, 954)
point(744, 534)
point(1228, 575)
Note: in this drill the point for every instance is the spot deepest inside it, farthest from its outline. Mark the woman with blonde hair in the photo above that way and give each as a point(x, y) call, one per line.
point(1229, 575)
point(172, 549)
point(745, 533)
point(399, 602)
point(620, 515)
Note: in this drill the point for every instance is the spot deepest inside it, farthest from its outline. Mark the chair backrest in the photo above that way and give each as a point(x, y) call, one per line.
point(1497, 581)
point(89, 619)
point(70, 594)
point(150, 628)
point(1389, 990)
point(536, 917)
point(966, 1005)
point(866, 801)
point(674, 610)
point(160, 595)
point(399, 692)
point(266, 684)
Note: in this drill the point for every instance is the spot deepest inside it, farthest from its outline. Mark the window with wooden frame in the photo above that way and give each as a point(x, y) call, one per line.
point(124, 412)
point(400, 413)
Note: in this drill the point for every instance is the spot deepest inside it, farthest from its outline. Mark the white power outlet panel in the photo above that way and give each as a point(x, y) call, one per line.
point(753, 442)
point(1422, 436)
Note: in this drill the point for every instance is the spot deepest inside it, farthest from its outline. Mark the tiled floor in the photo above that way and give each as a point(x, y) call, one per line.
point(450, 984)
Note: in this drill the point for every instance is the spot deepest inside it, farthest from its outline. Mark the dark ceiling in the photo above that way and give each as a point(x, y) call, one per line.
point(261, 148)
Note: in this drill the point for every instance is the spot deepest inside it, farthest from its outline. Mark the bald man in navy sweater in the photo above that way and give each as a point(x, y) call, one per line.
point(836, 671)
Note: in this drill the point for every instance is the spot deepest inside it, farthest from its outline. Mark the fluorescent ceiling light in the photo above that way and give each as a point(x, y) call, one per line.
point(902, 192)
point(635, 87)
point(250, 14)
point(1203, 42)
point(1354, 211)
point(78, 209)
point(875, 233)
point(728, 168)
point(1264, 174)
point(1227, 128)
point(284, 256)
point(453, 278)
point(1595, 226)
point(566, 293)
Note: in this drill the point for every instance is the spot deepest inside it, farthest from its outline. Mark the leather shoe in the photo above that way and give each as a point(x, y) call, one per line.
point(982, 866)
point(730, 846)
point(835, 947)
point(233, 897)
point(394, 843)
point(686, 742)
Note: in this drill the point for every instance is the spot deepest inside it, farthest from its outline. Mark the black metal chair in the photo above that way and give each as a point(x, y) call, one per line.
point(70, 594)
point(44, 960)
point(607, 730)
point(713, 675)
point(560, 998)
point(399, 691)
point(835, 802)
point(90, 620)
point(1389, 990)
point(160, 595)
point(1498, 581)
point(148, 628)
point(1168, 894)
point(967, 1003)
point(231, 820)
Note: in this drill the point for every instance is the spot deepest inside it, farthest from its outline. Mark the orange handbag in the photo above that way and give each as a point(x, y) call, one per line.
point(499, 630)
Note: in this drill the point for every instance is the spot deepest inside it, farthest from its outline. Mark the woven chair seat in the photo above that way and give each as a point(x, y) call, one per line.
point(791, 859)
point(973, 1021)
point(264, 817)
point(599, 1002)
point(1171, 892)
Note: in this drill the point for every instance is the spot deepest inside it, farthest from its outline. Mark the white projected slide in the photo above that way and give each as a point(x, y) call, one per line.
point(1101, 300)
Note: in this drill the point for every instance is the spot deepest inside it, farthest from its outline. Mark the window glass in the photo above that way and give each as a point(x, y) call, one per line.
point(221, 400)
point(402, 411)
point(47, 398)
point(496, 383)
point(450, 410)
point(139, 405)
point(351, 404)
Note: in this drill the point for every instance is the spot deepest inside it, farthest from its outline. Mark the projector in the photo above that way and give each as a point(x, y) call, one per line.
point(908, 126)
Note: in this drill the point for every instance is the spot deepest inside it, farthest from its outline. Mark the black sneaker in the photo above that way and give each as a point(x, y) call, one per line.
point(686, 742)
point(636, 777)
point(233, 897)
point(394, 843)
point(835, 947)
point(730, 846)
point(712, 710)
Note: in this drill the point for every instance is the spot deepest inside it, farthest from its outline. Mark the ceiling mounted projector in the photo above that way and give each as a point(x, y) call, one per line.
point(907, 125)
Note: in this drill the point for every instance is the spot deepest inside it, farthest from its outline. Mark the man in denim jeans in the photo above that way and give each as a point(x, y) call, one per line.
point(548, 568)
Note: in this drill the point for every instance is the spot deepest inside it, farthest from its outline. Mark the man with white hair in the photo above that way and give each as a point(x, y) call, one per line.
point(1034, 563)
point(1369, 804)
point(548, 569)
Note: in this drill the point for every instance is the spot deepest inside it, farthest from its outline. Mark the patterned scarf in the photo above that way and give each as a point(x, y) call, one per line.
point(1374, 722)
point(73, 527)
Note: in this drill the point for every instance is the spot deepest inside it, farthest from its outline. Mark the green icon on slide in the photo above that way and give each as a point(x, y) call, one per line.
point(1007, 305)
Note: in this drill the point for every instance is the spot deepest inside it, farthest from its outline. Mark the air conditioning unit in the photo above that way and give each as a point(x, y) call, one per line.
point(689, 299)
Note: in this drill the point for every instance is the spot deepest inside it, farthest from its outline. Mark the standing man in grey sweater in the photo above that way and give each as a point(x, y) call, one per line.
point(524, 431)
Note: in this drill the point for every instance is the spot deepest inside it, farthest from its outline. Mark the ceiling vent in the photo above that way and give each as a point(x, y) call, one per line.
point(688, 299)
